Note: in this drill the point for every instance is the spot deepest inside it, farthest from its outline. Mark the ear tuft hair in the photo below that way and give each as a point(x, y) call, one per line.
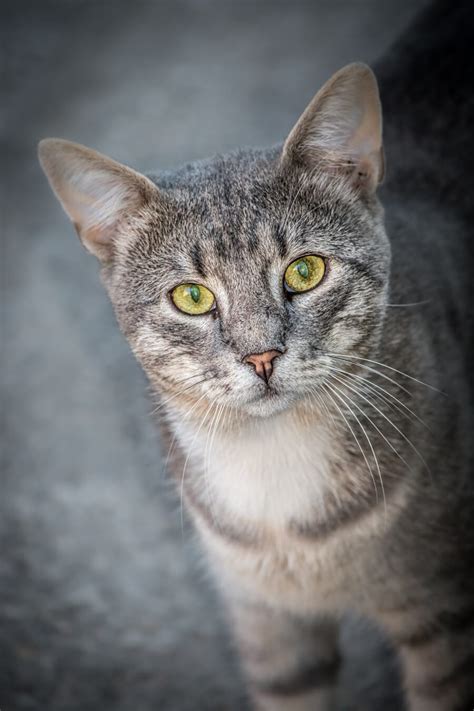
point(95, 191)
point(341, 129)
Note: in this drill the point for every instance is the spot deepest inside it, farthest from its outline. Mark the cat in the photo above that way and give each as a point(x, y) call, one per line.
point(309, 349)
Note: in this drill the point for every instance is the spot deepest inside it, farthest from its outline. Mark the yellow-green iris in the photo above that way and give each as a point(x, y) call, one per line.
point(193, 299)
point(304, 273)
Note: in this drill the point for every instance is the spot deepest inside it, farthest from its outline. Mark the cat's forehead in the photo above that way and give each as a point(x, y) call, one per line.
point(241, 208)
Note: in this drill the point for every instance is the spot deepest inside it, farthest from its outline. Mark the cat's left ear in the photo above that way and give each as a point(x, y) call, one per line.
point(341, 129)
point(96, 192)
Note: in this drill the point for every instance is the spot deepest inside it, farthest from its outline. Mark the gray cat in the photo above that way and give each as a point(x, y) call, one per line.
point(310, 358)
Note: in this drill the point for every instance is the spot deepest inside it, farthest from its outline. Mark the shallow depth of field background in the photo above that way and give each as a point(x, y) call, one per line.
point(104, 602)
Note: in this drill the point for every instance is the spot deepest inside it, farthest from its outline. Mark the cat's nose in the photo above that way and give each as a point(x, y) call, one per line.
point(263, 363)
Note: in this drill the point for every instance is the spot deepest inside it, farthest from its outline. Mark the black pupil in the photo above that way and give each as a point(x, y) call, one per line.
point(303, 270)
point(195, 293)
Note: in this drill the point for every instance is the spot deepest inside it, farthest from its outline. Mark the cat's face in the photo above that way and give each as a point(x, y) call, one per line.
point(235, 231)
point(233, 227)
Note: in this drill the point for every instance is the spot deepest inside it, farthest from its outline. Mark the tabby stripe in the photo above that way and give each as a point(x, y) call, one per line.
point(239, 537)
point(432, 689)
point(280, 239)
point(337, 304)
point(322, 673)
point(196, 256)
point(310, 531)
point(445, 622)
point(365, 271)
point(343, 518)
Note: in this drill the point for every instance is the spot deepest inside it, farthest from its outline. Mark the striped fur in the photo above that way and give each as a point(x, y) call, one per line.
point(346, 482)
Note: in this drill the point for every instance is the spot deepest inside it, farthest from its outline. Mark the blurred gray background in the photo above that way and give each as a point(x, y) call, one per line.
point(104, 602)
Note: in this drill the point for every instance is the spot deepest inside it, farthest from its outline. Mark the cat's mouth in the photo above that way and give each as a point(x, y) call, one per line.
point(267, 402)
point(268, 392)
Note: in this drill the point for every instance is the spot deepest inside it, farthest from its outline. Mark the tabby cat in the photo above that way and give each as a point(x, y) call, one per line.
point(308, 353)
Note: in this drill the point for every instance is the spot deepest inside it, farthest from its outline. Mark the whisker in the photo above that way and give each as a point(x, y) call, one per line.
point(185, 416)
point(408, 441)
point(321, 400)
point(168, 383)
point(209, 409)
point(384, 365)
point(384, 394)
point(327, 386)
point(181, 392)
point(377, 464)
point(372, 370)
point(412, 303)
point(207, 452)
point(369, 390)
point(369, 419)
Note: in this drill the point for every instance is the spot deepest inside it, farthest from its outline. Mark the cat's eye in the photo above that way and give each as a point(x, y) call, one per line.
point(304, 274)
point(193, 299)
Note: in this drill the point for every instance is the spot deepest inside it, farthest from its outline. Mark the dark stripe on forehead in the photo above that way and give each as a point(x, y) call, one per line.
point(279, 235)
point(226, 192)
point(197, 259)
point(220, 244)
point(252, 240)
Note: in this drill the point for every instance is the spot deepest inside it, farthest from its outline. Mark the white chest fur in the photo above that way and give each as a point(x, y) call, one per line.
point(265, 477)
point(267, 473)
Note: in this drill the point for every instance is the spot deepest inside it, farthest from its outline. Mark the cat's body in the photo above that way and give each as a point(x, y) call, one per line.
point(288, 542)
point(321, 440)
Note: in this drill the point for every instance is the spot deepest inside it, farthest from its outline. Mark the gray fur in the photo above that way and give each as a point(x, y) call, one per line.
point(405, 233)
point(382, 536)
point(238, 220)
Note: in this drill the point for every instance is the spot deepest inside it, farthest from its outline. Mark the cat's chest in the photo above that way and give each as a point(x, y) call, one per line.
point(268, 475)
point(274, 480)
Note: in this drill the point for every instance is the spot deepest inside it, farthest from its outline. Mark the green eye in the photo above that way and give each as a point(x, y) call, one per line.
point(193, 299)
point(304, 274)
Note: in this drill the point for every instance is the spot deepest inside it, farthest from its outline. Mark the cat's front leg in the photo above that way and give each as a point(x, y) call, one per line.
point(438, 661)
point(291, 663)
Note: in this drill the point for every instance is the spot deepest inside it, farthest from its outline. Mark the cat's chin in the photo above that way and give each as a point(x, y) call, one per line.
point(272, 403)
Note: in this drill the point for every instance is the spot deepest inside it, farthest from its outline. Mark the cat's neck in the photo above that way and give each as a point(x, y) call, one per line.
point(264, 472)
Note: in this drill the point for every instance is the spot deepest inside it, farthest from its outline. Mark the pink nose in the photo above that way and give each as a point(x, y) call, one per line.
point(263, 363)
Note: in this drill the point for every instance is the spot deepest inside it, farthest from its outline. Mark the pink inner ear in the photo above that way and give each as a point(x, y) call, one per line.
point(97, 241)
point(95, 191)
point(368, 172)
point(341, 129)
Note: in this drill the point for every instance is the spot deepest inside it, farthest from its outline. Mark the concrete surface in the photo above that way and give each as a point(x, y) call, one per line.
point(104, 603)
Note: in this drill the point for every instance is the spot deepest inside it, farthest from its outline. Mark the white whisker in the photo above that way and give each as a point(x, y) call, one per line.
point(181, 392)
point(384, 394)
point(412, 303)
point(377, 464)
point(408, 441)
point(372, 370)
point(207, 452)
point(384, 365)
point(326, 385)
point(190, 449)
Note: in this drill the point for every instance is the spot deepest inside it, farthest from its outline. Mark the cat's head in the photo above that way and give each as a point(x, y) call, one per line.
point(233, 278)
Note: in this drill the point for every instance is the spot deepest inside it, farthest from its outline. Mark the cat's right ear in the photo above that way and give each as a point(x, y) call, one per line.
point(96, 192)
point(341, 130)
